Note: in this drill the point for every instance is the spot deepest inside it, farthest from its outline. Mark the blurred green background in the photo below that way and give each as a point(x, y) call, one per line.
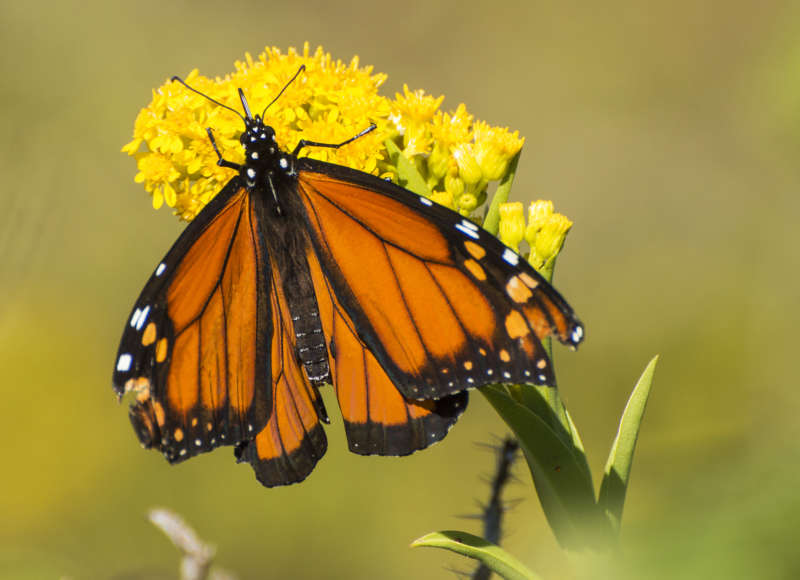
point(669, 133)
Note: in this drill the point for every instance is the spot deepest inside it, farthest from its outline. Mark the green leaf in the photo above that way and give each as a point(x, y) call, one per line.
point(407, 173)
point(492, 221)
point(618, 466)
point(494, 557)
point(559, 469)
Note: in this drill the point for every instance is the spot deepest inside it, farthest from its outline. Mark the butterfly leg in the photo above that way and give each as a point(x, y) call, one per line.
point(303, 143)
point(220, 161)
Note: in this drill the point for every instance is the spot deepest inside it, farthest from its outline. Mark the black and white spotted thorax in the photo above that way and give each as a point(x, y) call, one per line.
point(265, 162)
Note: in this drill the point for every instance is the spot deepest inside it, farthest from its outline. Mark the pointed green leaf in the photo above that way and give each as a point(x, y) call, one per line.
point(559, 469)
point(407, 173)
point(576, 439)
point(494, 557)
point(618, 466)
point(492, 221)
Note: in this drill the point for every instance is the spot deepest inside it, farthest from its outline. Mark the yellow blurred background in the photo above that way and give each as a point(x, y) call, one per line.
point(669, 133)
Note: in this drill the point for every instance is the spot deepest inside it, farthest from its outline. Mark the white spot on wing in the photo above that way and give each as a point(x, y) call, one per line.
point(425, 201)
point(160, 270)
point(135, 318)
point(124, 363)
point(470, 225)
point(577, 334)
point(468, 231)
point(142, 317)
point(511, 256)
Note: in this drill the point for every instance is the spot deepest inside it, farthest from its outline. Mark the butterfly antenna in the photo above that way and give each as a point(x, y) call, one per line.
point(245, 106)
point(180, 80)
point(286, 86)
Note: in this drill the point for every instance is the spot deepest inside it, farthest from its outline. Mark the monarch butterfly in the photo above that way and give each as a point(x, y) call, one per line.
point(300, 273)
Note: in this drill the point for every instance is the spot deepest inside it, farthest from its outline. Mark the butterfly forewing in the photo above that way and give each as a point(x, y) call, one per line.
point(191, 349)
point(441, 304)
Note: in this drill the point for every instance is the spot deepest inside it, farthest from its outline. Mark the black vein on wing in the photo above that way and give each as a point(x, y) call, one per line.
point(362, 224)
point(405, 305)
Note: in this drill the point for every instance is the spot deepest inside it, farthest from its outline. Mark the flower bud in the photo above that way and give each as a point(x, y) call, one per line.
point(512, 224)
point(545, 233)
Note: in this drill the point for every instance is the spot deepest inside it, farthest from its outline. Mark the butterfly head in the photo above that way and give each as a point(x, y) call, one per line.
point(263, 158)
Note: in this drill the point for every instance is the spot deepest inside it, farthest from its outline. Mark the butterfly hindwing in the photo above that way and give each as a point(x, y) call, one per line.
point(441, 304)
point(378, 419)
point(193, 351)
point(293, 440)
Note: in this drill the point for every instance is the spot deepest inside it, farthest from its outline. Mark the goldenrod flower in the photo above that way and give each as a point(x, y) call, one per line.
point(468, 169)
point(439, 162)
point(443, 198)
point(456, 156)
point(450, 129)
point(466, 155)
point(411, 113)
point(494, 148)
point(453, 184)
point(512, 224)
point(545, 233)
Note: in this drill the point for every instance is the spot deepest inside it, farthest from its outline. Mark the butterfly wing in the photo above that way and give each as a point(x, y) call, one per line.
point(378, 419)
point(441, 304)
point(195, 349)
point(292, 442)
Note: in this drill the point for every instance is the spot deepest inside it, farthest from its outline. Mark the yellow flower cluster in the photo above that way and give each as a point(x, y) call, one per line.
point(330, 102)
point(456, 156)
point(545, 232)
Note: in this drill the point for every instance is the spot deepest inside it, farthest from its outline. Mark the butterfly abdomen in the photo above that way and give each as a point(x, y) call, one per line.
point(289, 246)
point(311, 345)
